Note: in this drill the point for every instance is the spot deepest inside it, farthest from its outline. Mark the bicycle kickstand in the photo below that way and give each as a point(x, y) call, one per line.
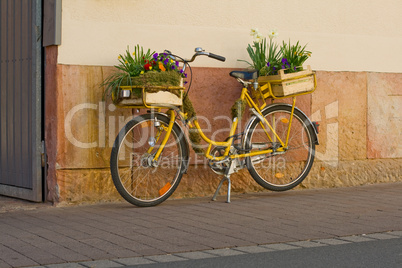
point(231, 169)
point(227, 177)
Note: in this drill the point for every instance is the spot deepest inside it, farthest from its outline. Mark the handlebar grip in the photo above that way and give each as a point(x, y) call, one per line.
point(217, 57)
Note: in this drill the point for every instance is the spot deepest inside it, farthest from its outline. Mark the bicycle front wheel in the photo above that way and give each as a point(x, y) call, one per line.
point(285, 168)
point(140, 180)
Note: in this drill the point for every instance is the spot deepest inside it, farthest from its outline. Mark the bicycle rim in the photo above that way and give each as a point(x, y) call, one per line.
point(280, 171)
point(139, 180)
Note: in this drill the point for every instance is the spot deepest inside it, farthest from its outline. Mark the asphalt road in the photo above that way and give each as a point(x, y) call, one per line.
point(379, 253)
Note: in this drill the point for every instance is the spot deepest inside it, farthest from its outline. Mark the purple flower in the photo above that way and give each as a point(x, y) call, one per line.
point(177, 63)
point(284, 60)
point(183, 73)
point(268, 64)
point(155, 56)
point(173, 67)
point(166, 61)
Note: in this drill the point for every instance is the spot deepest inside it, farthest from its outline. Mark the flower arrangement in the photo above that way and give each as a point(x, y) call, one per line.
point(143, 68)
point(268, 57)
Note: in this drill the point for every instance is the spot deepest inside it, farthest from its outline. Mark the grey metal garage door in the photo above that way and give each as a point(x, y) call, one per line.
point(20, 99)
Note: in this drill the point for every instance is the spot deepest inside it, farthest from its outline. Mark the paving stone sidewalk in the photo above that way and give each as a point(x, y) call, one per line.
point(103, 233)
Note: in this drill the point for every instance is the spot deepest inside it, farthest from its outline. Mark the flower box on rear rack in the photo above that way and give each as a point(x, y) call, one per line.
point(287, 85)
point(279, 67)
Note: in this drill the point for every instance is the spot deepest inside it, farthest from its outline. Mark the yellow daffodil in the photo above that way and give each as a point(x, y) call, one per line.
point(142, 72)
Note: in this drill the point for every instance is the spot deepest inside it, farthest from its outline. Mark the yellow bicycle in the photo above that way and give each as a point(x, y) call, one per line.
point(151, 152)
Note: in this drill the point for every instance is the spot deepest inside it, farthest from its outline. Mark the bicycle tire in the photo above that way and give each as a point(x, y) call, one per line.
point(136, 179)
point(281, 171)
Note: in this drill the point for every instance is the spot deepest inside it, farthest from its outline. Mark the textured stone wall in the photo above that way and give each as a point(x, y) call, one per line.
point(359, 115)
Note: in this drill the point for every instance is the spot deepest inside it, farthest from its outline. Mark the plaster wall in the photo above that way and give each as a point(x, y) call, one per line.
point(343, 35)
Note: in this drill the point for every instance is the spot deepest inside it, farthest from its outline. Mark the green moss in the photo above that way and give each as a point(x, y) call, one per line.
point(188, 108)
point(154, 82)
point(154, 78)
point(195, 139)
point(194, 136)
point(238, 108)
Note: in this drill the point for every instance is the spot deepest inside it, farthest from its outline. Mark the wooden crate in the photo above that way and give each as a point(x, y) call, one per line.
point(288, 84)
point(161, 97)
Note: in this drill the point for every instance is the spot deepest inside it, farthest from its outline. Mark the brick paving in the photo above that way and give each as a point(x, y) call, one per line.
point(102, 234)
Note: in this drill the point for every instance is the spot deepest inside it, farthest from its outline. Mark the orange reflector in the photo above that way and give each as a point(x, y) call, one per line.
point(164, 189)
point(279, 175)
point(285, 120)
point(146, 124)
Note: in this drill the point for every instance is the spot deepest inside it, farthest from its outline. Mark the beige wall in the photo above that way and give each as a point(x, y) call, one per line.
point(344, 35)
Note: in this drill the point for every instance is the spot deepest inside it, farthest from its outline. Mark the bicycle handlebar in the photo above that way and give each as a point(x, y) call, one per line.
point(217, 57)
point(198, 52)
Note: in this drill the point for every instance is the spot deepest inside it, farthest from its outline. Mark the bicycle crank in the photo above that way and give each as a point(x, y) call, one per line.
point(219, 167)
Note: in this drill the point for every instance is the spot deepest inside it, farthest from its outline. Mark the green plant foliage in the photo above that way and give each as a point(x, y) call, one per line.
point(144, 68)
point(268, 57)
point(293, 56)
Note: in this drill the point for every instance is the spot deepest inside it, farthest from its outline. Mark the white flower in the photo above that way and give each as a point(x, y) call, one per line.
point(254, 32)
point(258, 38)
point(273, 33)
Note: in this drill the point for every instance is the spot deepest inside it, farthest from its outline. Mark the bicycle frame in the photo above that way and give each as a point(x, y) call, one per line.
point(227, 144)
point(266, 126)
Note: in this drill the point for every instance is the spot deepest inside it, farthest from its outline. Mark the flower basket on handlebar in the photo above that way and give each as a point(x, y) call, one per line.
point(287, 85)
point(145, 78)
point(148, 96)
point(149, 89)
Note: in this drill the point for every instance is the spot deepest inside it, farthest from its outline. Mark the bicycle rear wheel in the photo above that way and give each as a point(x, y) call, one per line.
point(139, 180)
point(281, 171)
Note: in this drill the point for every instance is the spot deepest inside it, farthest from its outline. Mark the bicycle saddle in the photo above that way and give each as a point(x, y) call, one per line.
point(246, 75)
